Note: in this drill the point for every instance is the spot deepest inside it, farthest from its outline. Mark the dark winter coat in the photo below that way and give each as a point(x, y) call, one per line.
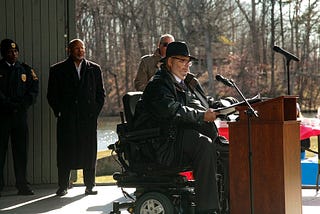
point(166, 105)
point(76, 104)
point(19, 88)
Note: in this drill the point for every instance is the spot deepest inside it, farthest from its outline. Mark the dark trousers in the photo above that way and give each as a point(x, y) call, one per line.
point(14, 126)
point(200, 151)
point(64, 177)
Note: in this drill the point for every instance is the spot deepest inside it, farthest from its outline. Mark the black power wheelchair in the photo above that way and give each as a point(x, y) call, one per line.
point(158, 189)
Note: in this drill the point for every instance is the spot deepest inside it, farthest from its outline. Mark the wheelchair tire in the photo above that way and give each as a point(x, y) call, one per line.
point(153, 203)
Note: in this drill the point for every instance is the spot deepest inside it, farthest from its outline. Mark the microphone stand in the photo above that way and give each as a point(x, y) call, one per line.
point(288, 73)
point(250, 113)
point(289, 57)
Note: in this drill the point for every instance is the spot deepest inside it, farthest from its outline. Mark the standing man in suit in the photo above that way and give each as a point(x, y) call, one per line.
point(76, 96)
point(19, 86)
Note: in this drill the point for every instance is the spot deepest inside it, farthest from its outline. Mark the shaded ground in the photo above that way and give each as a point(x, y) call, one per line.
point(45, 201)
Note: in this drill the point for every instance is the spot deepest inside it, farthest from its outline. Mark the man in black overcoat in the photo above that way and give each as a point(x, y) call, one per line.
point(174, 101)
point(76, 96)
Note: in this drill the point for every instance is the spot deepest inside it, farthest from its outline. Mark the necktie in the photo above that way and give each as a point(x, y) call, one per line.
point(183, 86)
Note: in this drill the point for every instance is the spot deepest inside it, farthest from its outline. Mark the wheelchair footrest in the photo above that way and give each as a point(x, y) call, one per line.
point(118, 206)
point(131, 180)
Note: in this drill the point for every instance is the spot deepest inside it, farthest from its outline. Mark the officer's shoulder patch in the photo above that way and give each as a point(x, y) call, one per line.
point(33, 73)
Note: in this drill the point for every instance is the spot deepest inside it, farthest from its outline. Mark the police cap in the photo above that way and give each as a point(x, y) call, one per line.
point(6, 45)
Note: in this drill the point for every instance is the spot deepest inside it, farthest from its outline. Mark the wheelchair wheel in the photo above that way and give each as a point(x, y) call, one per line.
point(154, 203)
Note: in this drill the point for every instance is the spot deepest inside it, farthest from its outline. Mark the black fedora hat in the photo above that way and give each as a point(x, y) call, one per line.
point(177, 49)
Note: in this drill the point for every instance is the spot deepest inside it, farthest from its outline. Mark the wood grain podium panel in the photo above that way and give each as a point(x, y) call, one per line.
point(276, 176)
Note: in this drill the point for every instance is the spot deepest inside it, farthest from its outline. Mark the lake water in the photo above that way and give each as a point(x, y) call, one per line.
point(106, 132)
point(105, 138)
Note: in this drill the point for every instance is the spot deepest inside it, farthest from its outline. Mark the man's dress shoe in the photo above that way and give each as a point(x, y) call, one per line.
point(61, 192)
point(90, 192)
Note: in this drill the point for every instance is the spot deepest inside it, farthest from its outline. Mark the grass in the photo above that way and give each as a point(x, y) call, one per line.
point(313, 146)
point(107, 179)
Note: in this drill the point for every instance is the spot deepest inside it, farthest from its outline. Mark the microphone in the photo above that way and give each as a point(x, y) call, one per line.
point(224, 80)
point(285, 53)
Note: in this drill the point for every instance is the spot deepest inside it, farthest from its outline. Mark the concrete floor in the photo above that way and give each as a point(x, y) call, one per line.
point(45, 201)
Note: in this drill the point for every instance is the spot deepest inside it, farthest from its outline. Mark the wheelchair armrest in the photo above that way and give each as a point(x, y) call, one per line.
point(143, 134)
point(125, 133)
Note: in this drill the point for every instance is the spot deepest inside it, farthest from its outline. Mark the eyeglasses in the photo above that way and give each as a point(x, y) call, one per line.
point(164, 44)
point(183, 61)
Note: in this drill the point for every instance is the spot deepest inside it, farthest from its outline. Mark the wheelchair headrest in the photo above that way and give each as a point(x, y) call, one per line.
point(130, 100)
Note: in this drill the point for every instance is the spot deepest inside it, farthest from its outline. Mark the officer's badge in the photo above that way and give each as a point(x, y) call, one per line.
point(13, 45)
point(23, 77)
point(34, 76)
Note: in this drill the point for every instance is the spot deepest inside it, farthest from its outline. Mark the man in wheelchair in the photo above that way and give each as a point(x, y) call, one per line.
point(174, 102)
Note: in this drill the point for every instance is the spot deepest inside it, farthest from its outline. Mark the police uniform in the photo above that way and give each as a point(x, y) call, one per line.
point(19, 87)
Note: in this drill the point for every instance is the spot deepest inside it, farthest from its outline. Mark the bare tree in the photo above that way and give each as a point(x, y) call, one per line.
point(231, 37)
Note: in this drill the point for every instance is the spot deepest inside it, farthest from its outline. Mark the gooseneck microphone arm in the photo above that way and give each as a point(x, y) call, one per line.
point(250, 112)
point(231, 83)
point(224, 80)
point(250, 109)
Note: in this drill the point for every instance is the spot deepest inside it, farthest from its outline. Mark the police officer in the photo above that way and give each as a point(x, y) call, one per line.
point(19, 87)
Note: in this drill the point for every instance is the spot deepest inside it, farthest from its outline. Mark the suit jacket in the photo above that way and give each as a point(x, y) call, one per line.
point(76, 103)
point(148, 66)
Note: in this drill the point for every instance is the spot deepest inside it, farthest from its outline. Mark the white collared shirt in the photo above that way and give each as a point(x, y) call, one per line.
point(10, 64)
point(177, 78)
point(78, 68)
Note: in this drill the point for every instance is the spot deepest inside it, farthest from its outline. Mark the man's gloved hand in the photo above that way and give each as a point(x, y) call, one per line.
point(217, 104)
point(232, 100)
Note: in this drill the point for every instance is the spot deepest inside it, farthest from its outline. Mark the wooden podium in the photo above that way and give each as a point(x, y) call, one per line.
point(276, 173)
